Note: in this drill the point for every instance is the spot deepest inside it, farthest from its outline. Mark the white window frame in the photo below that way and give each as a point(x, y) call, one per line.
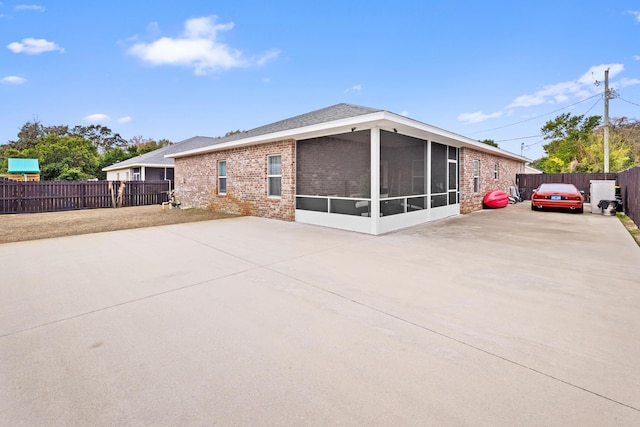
point(476, 176)
point(221, 177)
point(270, 176)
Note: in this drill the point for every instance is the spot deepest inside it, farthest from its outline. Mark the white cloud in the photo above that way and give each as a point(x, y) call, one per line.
point(198, 47)
point(125, 119)
point(268, 56)
point(579, 89)
point(563, 92)
point(33, 7)
point(13, 80)
point(625, 82)
point(404, 113)
point(559, 92)
point(597, 73)
point(478, 117)
point(636, 14)
point(94, 118)
point(34, 46)
point(637, 57)
point(356, 88)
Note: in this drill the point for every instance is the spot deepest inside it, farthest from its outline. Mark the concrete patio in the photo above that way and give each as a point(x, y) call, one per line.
point(503, 317)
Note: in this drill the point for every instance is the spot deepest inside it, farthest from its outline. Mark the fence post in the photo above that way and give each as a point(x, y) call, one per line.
point(20, 197)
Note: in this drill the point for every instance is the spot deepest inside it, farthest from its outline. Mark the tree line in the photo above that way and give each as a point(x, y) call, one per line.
point(576, 144)
point(73, 153)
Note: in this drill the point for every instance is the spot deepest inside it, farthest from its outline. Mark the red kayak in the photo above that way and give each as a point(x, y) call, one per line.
point(496, 199)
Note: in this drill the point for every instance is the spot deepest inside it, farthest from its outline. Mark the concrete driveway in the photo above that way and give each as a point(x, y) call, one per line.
point(503, 317)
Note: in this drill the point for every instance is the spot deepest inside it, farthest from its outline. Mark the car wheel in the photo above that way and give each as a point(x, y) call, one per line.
point(533, 208)
point(580, 209)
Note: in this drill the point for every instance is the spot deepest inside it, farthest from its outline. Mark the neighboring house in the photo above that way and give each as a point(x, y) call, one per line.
point(23, 170)
point(531, 169)
point(345, 166)
point(153, 166)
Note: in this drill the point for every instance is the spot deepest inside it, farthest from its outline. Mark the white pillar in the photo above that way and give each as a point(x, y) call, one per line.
point(375, 180)
point(427, 190)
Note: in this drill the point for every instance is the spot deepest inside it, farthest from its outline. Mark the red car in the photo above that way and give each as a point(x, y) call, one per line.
point(557, 195)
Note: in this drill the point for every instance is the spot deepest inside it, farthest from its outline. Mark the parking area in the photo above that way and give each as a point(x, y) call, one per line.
point(500, 317)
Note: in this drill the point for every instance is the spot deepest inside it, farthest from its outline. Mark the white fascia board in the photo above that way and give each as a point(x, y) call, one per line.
point(364, 121)
point(383, 119)
point(136, 165)
point(410, 127)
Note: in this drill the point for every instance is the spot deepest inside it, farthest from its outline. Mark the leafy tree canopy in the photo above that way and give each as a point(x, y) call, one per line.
point(490, 142)
point(577, 144)
point(139, 145)
point(77, 153)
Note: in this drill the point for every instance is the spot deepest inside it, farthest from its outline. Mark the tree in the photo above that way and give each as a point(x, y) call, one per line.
point(77, 153)
point(101, 136)
point(139, 145)
point(593, 155)
point(628, 130)
point(66, 157)
point(109, 158)
point(569, 136)
point(29, 135)
point(490, 142)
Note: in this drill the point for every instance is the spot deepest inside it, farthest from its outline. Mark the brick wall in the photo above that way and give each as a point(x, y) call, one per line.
point(196, 181)
point(333, 166)
point(507, 170)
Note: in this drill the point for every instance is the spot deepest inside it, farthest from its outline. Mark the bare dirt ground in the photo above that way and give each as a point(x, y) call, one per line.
point(17, 228)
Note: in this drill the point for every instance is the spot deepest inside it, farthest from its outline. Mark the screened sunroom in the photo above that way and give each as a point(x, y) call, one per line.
point(375, 181)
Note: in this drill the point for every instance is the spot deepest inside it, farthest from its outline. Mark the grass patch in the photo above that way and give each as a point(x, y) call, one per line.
point(631, 226)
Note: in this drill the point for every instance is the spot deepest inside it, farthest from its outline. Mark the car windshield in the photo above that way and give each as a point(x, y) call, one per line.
point(558, 188)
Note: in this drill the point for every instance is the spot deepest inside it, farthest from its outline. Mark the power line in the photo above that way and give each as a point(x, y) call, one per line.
point(537, 117)
point(591, 108)
point(523, 147)
point(523, 137)
point(633, 103)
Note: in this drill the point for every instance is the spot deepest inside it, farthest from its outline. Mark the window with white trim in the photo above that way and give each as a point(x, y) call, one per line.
point(222, 177)
point(476, 176)
point(274, 175)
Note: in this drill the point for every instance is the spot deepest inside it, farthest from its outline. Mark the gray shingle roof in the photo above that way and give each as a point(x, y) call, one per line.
point(157, 157)
point(328, 114)
point(335, 112)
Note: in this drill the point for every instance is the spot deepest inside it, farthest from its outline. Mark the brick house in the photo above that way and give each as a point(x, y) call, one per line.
point(345, 166)
point(154, 165)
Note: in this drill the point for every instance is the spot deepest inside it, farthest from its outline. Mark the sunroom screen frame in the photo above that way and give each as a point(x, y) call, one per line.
point(375, 223)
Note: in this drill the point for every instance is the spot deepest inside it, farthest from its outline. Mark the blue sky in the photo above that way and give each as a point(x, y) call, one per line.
point(176, 69)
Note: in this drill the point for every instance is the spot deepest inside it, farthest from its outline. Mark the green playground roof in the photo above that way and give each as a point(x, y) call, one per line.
point(23, 166)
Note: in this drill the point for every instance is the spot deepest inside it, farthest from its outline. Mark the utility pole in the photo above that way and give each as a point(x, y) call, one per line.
point(606, 120)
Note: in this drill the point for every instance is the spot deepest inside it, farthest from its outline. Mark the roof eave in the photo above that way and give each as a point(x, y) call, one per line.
point(136, 165)
point(382, 119)
point(311, 131)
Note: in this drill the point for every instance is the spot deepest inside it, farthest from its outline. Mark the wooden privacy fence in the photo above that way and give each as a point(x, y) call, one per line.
point(528, 182)
point(51, 196)
point(629, 182)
